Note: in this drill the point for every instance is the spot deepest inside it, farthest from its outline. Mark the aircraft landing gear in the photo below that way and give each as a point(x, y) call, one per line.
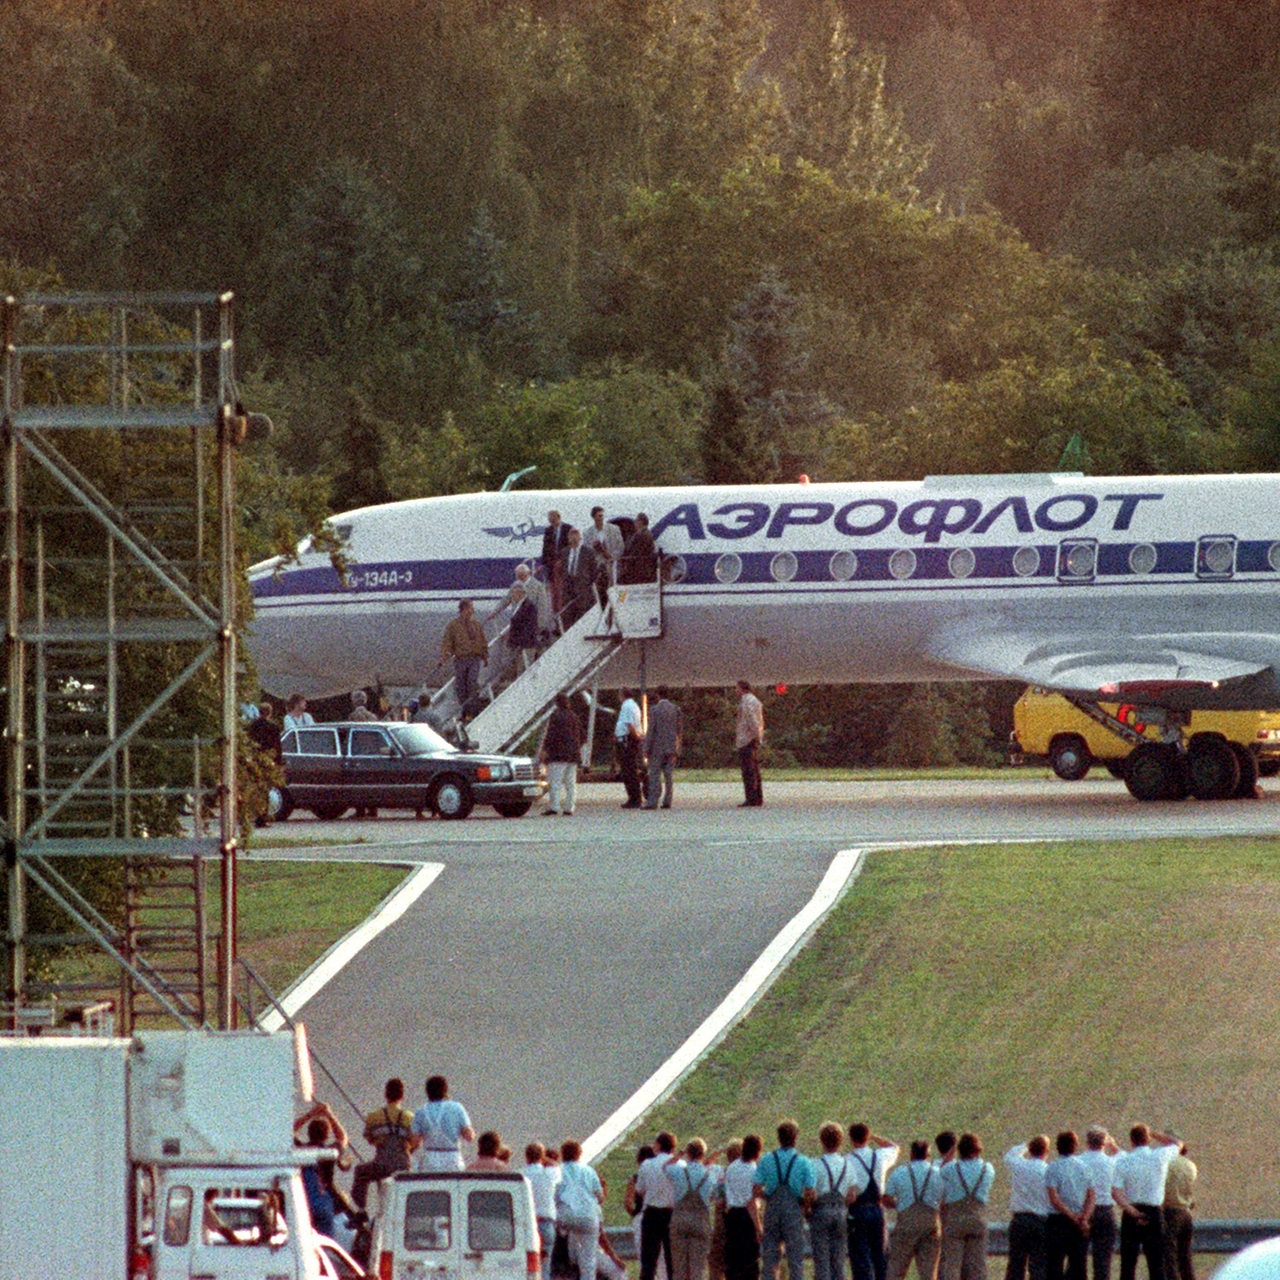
point(1154, 771)
point(1247, 788)
point(1213, 769)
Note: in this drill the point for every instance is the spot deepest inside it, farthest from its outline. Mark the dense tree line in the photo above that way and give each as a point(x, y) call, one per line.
point(657, 240)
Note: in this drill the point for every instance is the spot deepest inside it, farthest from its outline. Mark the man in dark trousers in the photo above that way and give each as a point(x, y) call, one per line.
point(640, 559)
point(555, 542)
point(389, 1130)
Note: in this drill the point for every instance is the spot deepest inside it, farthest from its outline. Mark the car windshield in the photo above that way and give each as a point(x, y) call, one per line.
point(420, 740)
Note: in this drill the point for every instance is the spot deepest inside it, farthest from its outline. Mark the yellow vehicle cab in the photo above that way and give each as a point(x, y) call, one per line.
point(1048, 728)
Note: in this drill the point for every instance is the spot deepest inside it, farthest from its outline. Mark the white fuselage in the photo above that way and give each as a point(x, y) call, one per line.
point(825, 583)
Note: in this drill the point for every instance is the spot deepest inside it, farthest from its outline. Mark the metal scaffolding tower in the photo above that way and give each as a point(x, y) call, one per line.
point(119, 422)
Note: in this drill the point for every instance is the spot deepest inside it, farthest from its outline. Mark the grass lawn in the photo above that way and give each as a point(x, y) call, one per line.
point(1016, 989)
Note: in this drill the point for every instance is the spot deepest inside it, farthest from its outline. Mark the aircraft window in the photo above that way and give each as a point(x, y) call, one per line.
point(783, 566)
point(1273, 556)
point(902, 564)
point(1079, 560)
point(317, 742)
point(1217, 555)
point(844, 564)
point(728, 568)
point(1026, 561)
point(1142, 558)
point(961, 562)
point(674, 568)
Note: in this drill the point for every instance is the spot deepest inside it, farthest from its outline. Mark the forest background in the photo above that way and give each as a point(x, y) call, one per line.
point(670, 241)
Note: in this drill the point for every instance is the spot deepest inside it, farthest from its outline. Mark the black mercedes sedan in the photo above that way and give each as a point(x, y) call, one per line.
point(332, 768)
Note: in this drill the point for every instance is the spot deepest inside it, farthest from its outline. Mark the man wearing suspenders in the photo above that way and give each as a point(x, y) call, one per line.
point(869, 1161)
point(827, 1237)
point(785, 1179)
point(915, 1191)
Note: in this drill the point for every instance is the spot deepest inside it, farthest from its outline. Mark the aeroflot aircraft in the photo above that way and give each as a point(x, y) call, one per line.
point(1160, 589)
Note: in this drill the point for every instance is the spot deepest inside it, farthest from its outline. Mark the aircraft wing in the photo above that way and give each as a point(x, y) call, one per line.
point(1134, 666)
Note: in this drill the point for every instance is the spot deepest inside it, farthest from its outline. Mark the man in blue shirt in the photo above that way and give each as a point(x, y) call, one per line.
point(785, 1178)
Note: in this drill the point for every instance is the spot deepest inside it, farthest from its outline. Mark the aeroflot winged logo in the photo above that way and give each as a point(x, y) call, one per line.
point(521, 532)
point(929, 518)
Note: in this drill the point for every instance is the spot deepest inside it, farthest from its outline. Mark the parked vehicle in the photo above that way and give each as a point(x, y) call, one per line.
point(168, 1156)
point(330, 768)
point(1047, 728)
point(467, 1226)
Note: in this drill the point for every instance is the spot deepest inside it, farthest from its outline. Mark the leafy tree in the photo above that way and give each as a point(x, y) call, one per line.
point(1251, 189)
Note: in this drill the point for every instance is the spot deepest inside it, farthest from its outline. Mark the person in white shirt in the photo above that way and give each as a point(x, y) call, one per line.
point(914, 1190)
point(742, 1226)
point(1137, 1186)
point(653, 1184)
point(694, 1181)
point(869, 1161)
point(296, 715)
point(1028, 1208)
point(543, 1177)
point(628, 737)
point(578, 1198)
point(1071, 1199)
point(1099, 1160)
point(443, 1126)
point(828, 1239)
point(747, 737)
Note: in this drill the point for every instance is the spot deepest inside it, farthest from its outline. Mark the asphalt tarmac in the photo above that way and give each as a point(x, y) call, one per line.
point(556, 963)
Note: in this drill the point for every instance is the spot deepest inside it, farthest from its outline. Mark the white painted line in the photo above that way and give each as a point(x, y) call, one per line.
point(388, 911)
point(753, 984)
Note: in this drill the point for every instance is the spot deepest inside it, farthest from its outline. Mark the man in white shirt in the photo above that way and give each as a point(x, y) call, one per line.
point(1099, 1161)
point(1071, 1198)
point(543, 1177)
point(1028, 1208)
point(1138, 1188)
point(628, 737)
point(748, 735)
point(607, 542)
point(658, 1191)
point(742, 1226)
point(869, 1161)
point(443, 1126)
point(915, 1191)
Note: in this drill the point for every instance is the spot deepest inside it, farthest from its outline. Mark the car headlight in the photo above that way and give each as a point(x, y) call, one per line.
point(494, 773)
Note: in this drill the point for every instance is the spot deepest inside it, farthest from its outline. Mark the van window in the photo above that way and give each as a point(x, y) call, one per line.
point(427, 1220)
point(491, 1220)
point(177, 1216)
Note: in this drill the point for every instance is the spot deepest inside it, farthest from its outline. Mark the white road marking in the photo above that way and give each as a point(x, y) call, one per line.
point(346, 948)
point(844, 868)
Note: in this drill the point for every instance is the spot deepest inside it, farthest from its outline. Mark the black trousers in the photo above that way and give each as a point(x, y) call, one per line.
point(1026, 1246)
point(629, 767)
point(1179, 1231)
point(865, 1228)
point(749, 762)
point(741, 1248)
point(1142, 1236)
point(1102, 1240)
point(1066, 1248)
point(655, 1238)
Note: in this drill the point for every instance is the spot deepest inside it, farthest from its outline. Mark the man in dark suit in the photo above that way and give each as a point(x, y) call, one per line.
point(640, 559)
point(555, 541)
point(579, 568)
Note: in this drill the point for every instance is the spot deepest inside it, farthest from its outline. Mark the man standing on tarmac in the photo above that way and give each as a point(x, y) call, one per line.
point(629, 738)
point(662, 746)
point(747, 738)
point(1138, 1188)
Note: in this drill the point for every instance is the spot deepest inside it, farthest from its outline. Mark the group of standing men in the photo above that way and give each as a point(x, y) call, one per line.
point(1062, 1211)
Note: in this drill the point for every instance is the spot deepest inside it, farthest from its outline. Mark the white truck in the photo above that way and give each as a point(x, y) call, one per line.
point(165, 1156)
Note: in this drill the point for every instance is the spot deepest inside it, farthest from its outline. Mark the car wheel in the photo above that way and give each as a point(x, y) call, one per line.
point(330, 811)
point(451, 798)
point(516, 809)
point(1069, 757)
point(282, 804)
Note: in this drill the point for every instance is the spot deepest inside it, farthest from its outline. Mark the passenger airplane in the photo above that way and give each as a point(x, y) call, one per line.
point(1163, 590)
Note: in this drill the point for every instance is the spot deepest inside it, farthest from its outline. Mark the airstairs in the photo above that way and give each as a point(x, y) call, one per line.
point(573, 661)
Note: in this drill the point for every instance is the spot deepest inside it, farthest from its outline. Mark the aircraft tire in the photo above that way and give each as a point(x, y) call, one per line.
point(451, 798)
point(1069, 757)
point(1213, 772)
point(1247, 787)
point(1154, 772)
point(1115, 768)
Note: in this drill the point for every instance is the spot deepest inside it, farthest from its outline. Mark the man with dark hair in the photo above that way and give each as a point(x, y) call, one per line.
point(869, 1161)
point(662, 746)
point(389, 1130)
point(742, 1228)
point(581, 568)
point(1099, 1160)
point(1071, 1198)
point(658, 1193)
point(629, 740)
point(786, 1179)
point(561, 751)
point(1028, 1208)
point(464, 641)
point(640, 559)
point(748, 735)
point(605, 539)
point(1138, 1188)
point(945, 1145)
point(443, 1125)
point(915, 1191)
point(555, 541)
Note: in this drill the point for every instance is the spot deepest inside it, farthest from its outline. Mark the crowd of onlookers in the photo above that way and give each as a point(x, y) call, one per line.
point(733, 1213)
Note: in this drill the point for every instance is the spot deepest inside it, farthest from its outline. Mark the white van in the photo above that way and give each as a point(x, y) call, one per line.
point(467, 1226)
